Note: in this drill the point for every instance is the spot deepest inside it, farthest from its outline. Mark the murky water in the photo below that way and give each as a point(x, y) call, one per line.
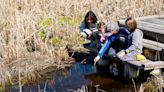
point(79, 75)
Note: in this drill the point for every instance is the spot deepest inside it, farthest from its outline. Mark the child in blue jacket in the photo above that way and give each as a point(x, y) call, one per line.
point(115, 35)
point(134, 37)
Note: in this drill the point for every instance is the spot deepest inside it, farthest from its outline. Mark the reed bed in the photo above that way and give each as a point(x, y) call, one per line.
point(34, 33)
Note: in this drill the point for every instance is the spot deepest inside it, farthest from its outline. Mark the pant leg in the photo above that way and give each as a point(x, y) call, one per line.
point(117, 46)
point(112, 52)
point(122, 41)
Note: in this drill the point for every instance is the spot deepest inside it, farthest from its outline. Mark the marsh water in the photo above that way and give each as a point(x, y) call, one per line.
point(75, 79)
point(81, 77)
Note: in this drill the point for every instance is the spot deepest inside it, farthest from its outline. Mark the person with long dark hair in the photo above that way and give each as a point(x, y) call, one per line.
point(88, 27)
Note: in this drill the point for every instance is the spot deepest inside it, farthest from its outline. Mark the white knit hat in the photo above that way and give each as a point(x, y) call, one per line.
point(111, 26)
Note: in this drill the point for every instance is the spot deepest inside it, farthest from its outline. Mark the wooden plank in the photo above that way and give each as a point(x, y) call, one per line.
point(148, 17)
point(153, 36)
point(149, 46)
point(147, 64)
point(154, 65)
point(142, 18)
point(153, 43)
point(144, 28)
point(161, 18)
point(151, 25)
point(155, 21)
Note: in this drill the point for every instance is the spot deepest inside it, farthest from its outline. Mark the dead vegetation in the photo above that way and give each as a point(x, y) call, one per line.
point(154, 84)
point(34, 33)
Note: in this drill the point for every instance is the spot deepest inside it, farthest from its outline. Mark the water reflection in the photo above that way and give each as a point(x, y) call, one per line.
point(75, 78)
point(60, 82)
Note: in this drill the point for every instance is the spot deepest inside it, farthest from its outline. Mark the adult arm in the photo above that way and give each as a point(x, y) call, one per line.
point(82, 26)
point(136, 41)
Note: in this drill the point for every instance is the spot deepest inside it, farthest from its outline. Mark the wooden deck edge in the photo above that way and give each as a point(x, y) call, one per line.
point(154, 43)
point(152, 47)
point(147, 17)
point(148, 65)
point(122, 21)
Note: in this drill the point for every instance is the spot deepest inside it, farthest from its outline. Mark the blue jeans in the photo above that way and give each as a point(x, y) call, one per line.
point(116, 46)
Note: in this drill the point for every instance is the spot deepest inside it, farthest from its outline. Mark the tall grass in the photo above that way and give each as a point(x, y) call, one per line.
point(30, 29)
point(21, 20)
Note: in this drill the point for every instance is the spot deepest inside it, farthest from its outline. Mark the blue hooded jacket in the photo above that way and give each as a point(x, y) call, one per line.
point(122, 31)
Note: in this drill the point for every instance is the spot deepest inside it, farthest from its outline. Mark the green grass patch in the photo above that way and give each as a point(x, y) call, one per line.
point(46, 23)
point(2, 87)
point(71, 21)
point(41, 34)
point(56, 40)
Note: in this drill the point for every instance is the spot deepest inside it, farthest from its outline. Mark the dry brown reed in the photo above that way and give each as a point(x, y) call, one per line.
point(154, 84)
point(33, 33)
point(4, 73)
point(20, 20)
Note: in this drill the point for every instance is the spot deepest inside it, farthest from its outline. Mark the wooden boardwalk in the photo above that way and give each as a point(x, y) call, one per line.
point(153, 29)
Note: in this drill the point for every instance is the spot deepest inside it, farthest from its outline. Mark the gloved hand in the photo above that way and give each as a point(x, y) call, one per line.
point(102, 39)
point(96, 59)
point(86, 33)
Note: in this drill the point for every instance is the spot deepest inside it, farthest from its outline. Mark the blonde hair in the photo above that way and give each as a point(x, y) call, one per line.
point(131, 24)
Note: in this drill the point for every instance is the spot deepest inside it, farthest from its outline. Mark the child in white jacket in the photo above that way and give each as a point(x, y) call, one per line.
point(135, 38)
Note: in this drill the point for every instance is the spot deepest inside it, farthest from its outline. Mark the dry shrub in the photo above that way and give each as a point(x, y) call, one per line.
point(33, 66)
point(154, 84)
